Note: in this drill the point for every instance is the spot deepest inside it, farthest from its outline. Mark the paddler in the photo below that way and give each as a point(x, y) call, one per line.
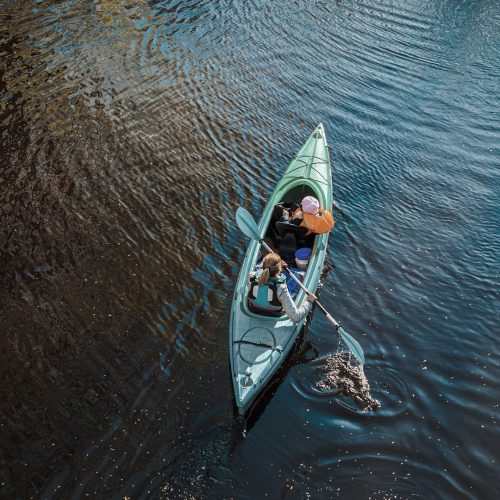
point(269, 293)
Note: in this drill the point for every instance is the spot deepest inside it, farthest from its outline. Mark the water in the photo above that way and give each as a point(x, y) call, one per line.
point(131, 132)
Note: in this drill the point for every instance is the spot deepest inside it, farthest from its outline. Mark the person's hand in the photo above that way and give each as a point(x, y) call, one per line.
point(311, 297)
point(284, 264)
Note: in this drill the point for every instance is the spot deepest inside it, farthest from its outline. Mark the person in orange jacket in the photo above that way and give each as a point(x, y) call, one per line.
point(309, 215)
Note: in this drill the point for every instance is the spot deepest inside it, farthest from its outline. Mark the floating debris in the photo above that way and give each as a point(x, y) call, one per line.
point(348, 380)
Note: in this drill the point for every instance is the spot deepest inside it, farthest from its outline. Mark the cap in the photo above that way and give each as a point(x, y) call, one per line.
point(310, 205)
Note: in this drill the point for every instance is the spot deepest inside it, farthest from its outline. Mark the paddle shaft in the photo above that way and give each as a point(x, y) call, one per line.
point(323, 310)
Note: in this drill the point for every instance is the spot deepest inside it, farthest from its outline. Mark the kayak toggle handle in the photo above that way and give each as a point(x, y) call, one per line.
point(248, 373)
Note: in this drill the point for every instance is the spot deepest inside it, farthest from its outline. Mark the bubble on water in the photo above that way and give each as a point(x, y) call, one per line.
point(348, 380)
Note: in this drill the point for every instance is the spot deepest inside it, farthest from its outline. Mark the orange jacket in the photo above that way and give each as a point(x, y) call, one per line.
point(320, 223)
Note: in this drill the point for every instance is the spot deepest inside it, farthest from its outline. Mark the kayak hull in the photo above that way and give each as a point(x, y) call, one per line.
point(259, 344)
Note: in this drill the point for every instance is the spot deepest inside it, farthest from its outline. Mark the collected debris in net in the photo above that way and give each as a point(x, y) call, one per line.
point(348, 380)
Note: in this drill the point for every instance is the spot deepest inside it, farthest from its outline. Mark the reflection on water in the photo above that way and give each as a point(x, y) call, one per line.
point(131, 132)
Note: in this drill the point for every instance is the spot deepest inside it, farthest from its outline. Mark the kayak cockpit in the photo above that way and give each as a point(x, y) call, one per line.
point(285, 239)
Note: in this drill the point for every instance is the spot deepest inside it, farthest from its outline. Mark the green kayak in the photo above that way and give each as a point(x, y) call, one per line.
point(258, 343)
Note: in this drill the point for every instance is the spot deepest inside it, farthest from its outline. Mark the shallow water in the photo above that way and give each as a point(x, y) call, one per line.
point(131, 131)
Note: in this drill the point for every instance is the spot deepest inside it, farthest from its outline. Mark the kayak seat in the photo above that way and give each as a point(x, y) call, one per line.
point(263, 299)
point(288, 247)
point(284, 228)
point(263, 311)
point(287, 231)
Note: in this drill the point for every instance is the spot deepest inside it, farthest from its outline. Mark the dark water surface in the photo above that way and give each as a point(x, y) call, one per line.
point(130, 133)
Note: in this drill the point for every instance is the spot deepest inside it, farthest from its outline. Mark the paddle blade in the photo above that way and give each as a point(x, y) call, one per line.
point(353, 345)
point(247, 224)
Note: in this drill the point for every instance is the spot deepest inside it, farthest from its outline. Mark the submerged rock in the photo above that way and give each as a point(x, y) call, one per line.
point(348, 380)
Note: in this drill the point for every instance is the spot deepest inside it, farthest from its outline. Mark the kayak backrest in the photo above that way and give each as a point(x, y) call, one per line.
point(285, 227)
point(287, 247)
point(264, 299)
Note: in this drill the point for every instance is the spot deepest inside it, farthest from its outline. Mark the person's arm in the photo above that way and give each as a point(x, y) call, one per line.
point(289, 306)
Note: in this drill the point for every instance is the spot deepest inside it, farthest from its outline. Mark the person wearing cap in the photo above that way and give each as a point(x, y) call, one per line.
point(311, 216)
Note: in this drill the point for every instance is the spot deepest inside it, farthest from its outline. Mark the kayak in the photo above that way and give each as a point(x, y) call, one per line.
point(260, 343)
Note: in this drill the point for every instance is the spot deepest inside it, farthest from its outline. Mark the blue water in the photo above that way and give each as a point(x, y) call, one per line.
point(130, 133)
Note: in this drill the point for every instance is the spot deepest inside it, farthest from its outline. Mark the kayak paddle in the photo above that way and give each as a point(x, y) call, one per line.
point(249, 228)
